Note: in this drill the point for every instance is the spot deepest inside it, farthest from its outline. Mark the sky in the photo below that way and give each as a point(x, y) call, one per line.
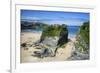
point(55, 17)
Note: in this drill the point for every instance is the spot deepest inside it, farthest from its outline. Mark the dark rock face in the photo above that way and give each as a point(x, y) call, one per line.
point(63, 38)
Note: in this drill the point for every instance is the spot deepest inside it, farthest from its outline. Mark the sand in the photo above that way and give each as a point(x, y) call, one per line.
point(26, 54)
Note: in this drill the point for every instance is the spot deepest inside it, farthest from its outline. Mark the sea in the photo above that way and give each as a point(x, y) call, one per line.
point(72, 31)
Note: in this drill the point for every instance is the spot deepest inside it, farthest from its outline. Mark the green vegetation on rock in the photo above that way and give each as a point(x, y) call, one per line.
point(84, 32)
point(56, 30)
point(55, 36)
point(52, 30)
point(33, 25)
point(83, 38)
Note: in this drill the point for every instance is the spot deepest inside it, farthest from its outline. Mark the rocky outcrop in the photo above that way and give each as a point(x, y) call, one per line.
point(53, 37)
point(82, 43)
point(83, 37)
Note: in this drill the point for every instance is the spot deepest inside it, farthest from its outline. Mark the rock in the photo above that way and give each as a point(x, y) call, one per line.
point(54, 36)
point(82, 44)
point(55, 33)
point(79, 56)
point(43, 53)
point(47, 52)
point(51, 41)
point(63, 37)
point(83, 38)
point(37, 54)
point(23, 44)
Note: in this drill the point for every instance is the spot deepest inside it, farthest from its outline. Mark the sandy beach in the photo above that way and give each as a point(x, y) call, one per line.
point(62, 54)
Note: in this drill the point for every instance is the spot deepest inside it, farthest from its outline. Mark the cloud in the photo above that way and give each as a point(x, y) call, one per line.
point(30, 18)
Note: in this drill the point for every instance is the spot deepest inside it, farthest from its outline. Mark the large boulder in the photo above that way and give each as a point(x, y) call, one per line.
point(54, 36)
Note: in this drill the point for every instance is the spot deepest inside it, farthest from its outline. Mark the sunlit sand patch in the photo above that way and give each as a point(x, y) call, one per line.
point(26, 55)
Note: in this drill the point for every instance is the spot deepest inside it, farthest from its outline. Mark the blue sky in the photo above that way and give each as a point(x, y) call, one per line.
point(53, 17)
